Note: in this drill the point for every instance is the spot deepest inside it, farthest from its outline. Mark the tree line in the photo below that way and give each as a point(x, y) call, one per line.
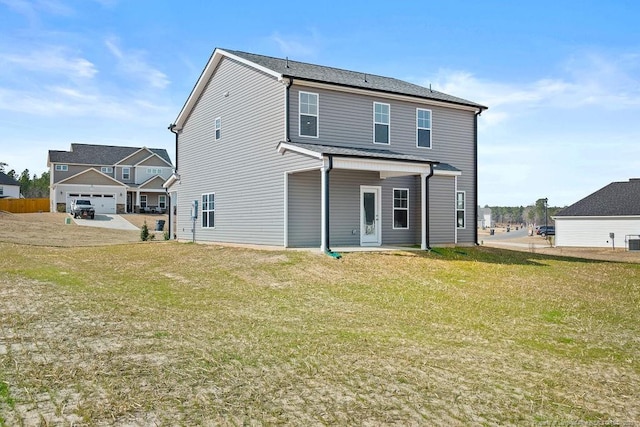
point(30, 186)
point(532, 214)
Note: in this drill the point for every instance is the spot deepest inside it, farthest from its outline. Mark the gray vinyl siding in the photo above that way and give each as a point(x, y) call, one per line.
point(305, 224)
point(304, 192)
point(347, 120)
point(442, 210)
point(242, 168)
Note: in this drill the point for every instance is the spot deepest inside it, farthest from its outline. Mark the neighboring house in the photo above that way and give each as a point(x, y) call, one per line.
point(484, 217)
point(285, 153)
point(589, 222)
point(115, 179)
point(9, 187)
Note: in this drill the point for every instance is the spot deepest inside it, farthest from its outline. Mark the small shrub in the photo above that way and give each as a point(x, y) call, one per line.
point(144, 232)
point(166, 235)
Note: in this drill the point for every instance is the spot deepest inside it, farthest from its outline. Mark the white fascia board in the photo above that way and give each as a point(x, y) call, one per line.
point(380, 165)
point(610, 217)
point(87, 171)
point(140, 163)
point(284, 147)
point(387, 95)
point(172, 179)
point(447, 173)
point(204, 78)
point(120, 162)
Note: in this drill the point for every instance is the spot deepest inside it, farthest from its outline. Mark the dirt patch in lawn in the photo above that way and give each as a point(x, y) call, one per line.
point(58, 229)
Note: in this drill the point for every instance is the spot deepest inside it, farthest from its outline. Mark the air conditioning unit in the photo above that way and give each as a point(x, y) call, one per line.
point(634, 244)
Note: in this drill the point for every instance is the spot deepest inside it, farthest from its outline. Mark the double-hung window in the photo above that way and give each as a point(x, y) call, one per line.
point(460, 208)
point(381, 116)
point(126, 173)
point(400, 208)
point(218, 125)
point(162, 201)
point(308, 114)
point(106, 169)
point(143, 200)
point(423, 119)
point(208, 210)
point(62, 168)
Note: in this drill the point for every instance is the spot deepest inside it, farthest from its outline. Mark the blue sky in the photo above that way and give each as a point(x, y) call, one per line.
point(561, 78)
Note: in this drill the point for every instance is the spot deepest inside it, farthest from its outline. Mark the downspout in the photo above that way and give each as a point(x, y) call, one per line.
point(328, 250)
point(287, 125)
point(475, 178)
point(426, 204)
point(170, 218)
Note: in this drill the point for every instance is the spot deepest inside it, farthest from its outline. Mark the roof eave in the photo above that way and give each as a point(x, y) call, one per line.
point(217, 56)
point(353, 88)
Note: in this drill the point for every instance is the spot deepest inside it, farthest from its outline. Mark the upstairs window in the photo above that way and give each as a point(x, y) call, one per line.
point(106, 169)
point(62, 168)
point(309, 114)
point(154, 171)
point(460, 208)
point(126, 173)
point(218, 125)
point(381, 117)
point(400, 208)
point(208, 210)
point(424, 128)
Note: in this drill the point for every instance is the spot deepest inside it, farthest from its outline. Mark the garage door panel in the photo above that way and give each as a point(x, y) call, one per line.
point(103, 203)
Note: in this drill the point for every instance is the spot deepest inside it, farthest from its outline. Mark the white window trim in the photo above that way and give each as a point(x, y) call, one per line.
point(143, 197)
point(430, 129)
point(106, 169)
point(393, 209)
point(162, 200)
point(380, 123)
point(217, 124)
point(317, 115)
point(464, 209)
point(62, 168)
point(154, 171)
point(128, 173)
point(204, 211)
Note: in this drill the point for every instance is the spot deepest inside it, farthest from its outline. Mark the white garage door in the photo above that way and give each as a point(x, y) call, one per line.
point(103, 203)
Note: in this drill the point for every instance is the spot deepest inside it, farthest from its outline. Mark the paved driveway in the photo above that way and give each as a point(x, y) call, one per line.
point(115, 222)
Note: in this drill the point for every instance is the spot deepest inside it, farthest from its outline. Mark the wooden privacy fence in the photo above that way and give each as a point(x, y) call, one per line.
point(24, 205)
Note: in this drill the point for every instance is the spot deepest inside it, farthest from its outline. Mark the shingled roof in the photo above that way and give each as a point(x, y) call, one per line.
point(616, 199)
point(354, 79)
point(284, 68)
point(89, 154)
point(7, 180)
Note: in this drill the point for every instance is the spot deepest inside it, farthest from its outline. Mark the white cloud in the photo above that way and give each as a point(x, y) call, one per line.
point(51, 59)
point(560, 136)
point(589, 80)
point(301, 46)
point(133, 64)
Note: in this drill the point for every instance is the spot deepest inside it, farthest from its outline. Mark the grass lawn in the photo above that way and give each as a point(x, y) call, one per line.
point(171, 333)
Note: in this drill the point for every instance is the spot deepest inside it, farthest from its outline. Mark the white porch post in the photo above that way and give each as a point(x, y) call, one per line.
point(323, 204)
point(423, 211)
point(137, 200)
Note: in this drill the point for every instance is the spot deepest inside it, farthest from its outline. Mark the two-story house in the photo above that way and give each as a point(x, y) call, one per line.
point(277, 152)
point(116, 179)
